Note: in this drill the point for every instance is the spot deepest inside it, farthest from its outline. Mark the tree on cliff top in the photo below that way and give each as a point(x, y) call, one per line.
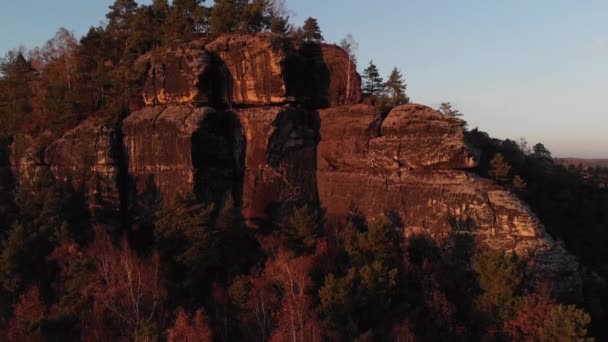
point(312, 31)
point(372, 84)
point(350, 45)
point(499, 168)
point(396, 87)
point(447, 110)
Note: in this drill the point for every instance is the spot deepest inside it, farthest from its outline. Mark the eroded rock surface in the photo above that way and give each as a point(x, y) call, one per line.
point(280, 160)
point(411, 137)
point(344, 81)
point(253, 67)
point(89, 158)
point(408, 165)
point(178, 75)
point(181, 150)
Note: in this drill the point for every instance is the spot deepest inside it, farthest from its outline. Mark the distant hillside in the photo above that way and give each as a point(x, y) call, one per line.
point(586, 163)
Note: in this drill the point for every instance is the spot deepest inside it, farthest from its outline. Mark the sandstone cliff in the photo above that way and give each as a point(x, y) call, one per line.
point(89, 157)
point(280, 159)
point(410, 165)
point(261, 140)
point(182, 150)
point(178, 75)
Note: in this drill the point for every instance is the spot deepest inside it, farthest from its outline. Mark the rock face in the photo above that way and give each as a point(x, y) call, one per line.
point(280, 160)
point(409, 165)
point(254, 67)
point(89, 157)
point(180, 75)
point(181, 150)
point(344, 81)
point(272, 149)
point(411, 137)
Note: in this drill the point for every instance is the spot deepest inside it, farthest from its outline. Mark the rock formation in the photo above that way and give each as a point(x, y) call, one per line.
point(344, 81)
point(280, 159)
point(181, 150)
point(179, 75)
point(254, 67)
point(89, 158)
point(261, 140)
point(409, 165)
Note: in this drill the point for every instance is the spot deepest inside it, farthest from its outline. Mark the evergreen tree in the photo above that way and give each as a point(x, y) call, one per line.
point(499, 168)
point(447, 110)
point(16, 73)
point(500, 279)
point(278, 18)
point(540, 152)
point(312, 31)
point(186, 20)
point(224, 16)
point(373, 83)
point(120, 19)
point(396, 88)
point(254, 16)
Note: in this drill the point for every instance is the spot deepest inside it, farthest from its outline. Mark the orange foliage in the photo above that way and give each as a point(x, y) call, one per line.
point(531, 317)
point(28, 310)
point(297, 320)
point(190, 329)
point(126, 289)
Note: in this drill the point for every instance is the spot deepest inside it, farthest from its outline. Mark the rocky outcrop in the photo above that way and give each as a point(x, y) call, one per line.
point(89, 158)
point(182, 150)
point(344, 81)
point(408, 165)
point(272, 149)
point(411, 137)
point(253, 67)
point(178, 75)
point(280, 159)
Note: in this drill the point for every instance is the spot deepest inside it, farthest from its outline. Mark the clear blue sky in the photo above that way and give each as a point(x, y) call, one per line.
point(518, 68)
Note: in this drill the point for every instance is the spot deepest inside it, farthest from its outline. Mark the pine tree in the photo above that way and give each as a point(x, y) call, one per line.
point(16, 96)
point(499, 168)
point(279, 20)
point(447, 110)
point(373, 83)
point(120, 17)
point(540, 152)
point(225, 16)
point(396, 87)
point(312, 31)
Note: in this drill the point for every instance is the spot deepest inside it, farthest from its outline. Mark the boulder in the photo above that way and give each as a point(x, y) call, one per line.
point(177, 75)
point(280, 159)
point(415, 136)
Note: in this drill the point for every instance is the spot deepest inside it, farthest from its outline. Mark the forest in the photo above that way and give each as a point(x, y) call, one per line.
point(195, 271)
